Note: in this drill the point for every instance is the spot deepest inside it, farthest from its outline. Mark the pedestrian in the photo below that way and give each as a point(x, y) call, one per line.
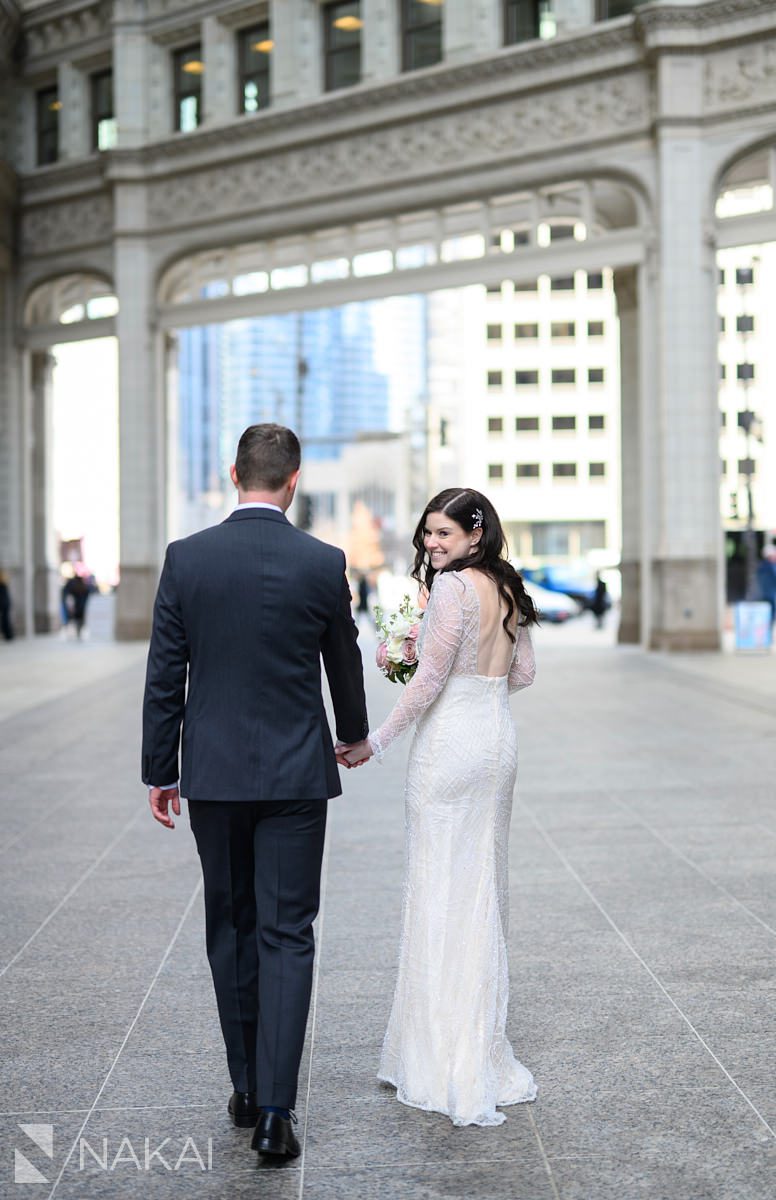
point(258, 762)
point(362, 609)
point(600, 601)
point(6, 626)
point(76, 594)
point(766, 578)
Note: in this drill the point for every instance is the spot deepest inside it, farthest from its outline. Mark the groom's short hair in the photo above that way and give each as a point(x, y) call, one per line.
point(266, 456)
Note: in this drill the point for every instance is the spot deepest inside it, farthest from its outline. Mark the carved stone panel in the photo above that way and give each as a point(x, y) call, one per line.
point(741, 75)
point(66, 224)
point(510, 129)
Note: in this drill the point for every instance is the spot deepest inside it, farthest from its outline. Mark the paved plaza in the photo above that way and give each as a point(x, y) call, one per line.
point(642, 938)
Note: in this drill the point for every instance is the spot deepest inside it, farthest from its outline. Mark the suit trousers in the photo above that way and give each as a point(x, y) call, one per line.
point(261, 864)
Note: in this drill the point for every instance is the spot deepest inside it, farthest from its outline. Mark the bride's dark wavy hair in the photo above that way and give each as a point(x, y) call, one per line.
point(464, 506)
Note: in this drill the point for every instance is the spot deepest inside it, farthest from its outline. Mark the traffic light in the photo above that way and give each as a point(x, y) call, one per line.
point(304, 511)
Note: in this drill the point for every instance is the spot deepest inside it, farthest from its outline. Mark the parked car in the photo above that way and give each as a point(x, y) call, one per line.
point(576, 581)
point(553, 606)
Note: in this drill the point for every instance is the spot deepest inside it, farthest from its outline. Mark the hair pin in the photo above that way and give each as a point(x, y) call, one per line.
point(477, 518)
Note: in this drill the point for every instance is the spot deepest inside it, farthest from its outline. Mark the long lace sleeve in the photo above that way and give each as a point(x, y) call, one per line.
point(443, 629)
point(523, 668)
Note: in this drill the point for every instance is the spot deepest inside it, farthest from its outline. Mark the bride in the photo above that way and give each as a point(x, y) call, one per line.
point(446, 1049)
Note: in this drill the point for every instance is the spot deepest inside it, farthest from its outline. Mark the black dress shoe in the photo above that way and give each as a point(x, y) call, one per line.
point(243, 1110)
point(274, 1136)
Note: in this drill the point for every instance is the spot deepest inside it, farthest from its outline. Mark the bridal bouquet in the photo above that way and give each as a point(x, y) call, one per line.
point(397, 653)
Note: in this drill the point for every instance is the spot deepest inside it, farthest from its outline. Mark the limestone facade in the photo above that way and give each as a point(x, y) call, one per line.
point(631, 123)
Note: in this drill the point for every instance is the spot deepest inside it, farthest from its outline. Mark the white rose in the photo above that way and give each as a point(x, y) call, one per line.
point(396, 649)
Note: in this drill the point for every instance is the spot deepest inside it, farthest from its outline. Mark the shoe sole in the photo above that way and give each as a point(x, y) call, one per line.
point(274, 1149)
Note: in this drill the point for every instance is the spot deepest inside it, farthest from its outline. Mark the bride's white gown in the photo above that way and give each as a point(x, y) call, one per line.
point(445, 1049)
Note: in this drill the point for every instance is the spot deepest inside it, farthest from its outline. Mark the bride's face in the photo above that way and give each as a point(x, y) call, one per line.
point(446, 540)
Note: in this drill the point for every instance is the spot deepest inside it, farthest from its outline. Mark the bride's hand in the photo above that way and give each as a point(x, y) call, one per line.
point(358, 754)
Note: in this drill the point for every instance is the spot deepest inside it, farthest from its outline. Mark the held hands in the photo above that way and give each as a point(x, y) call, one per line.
point(159, 799)
point(354, 755)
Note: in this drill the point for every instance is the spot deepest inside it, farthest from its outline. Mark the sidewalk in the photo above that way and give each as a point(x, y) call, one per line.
point(642, 937)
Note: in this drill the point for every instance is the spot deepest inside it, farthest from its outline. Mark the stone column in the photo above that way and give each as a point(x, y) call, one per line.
point(219, 82)
point(470, 28)
point(45, 556)
point(141, 419)
point(625, 286)
point(74, 116)
point(130, 74)
point(296, 69)
point(12, 457)
point(380, 40)
point(687, 571)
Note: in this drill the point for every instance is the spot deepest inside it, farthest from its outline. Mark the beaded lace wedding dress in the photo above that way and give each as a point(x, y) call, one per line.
point(446, 1049)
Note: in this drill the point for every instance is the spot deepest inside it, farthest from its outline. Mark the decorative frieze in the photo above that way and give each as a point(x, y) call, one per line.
point(510, 129)
point(66, 225)
point(744, 74)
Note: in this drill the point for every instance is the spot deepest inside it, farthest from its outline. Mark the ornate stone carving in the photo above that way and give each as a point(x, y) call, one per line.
point(48, 33)
point(741, 74)
point(66, 225)
point(448, 141)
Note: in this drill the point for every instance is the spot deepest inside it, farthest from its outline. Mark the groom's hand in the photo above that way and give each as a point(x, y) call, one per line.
point(159, 799)
point(357, 754)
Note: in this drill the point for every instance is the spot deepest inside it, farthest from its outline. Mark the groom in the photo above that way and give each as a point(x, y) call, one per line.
point(245, 610)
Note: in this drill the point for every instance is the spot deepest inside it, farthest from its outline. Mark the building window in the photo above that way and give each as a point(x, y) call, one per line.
point(744, 324)
point(745, 371)
point(526, 378)
point(526, 331)
point(421, 24)
point(595, 281)
point(103, 120)
point(495, 471)
point(527, 470)
point(255, 50)
point(722, 371)
point(47, 105)
point(721, 277)
point(531, 286)
point(564, 470)
point(562, 329)
point(521, 21)
point(722, 324)
point(607, 9)
point(495, 424)
point(561, 233)
point(495, 379)
point(596, 422)
point(564, 375)
point(744, 276)
point(596, 470)
point(342, 44)
point(723, 418)
point(746, 466)
point(493, 289)
point(188, 69)
point(494, 333)
point(562, 283)
point(723, 466)
point(595, 374)
point(595, 329)
point(564, 424)
point(526, 424)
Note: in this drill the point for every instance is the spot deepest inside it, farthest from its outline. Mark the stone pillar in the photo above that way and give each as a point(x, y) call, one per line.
point(219, 82)
point(130, 74)
point(296, 69)
point(141, 420)
point(12, 451)
point(687, 564)
point(45, 556)
point(469, 29)
point(380, 40)
point(74, 116)
point(625, 286)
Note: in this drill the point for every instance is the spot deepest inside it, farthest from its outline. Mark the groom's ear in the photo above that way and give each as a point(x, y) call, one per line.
point(233, 475)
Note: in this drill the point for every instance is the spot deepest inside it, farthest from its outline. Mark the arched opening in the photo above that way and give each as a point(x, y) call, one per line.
point(71, 501)
point(478, 341)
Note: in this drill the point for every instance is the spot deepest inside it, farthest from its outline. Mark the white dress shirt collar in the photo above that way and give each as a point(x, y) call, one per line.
point(258, 504)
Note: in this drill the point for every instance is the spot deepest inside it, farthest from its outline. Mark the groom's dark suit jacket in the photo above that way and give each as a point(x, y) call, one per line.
point(247, 608)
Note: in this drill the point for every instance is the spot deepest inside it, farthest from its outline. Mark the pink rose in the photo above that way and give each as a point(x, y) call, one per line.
point(410, 652)
point(382, 655)
point(414, 631)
